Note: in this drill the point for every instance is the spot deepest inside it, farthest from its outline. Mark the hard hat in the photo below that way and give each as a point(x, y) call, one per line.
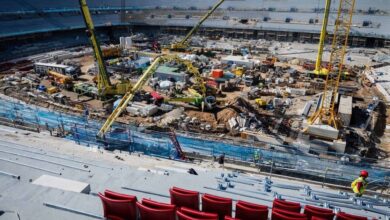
point(364, 173)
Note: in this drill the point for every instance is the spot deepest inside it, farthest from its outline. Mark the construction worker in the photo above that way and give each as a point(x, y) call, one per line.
point(359, 185)
point(256, 156)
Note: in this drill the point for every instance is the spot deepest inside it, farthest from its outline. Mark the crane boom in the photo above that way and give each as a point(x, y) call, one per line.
point(318, 67)
point(103, 77)
point(129, 96)
point(183, 43)
point(326, 112)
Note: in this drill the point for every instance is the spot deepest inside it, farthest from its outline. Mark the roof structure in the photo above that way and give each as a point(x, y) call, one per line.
point(375, 13)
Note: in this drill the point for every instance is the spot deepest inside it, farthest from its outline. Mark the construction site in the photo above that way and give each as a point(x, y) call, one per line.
point(295, 89)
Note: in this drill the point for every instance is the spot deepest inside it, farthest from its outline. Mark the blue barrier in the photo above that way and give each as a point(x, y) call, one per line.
point(131, 138)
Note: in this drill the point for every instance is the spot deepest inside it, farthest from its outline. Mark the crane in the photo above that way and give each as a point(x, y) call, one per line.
point(104, 85)
point(183, 44)
point(326, 113)
point(318, 66)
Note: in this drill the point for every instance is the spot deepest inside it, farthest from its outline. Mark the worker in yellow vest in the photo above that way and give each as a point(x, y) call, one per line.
point(359, 185)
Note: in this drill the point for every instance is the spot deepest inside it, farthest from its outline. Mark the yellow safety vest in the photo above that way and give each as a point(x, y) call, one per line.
point(355, 183)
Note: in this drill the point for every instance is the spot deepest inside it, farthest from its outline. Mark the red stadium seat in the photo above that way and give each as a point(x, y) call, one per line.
point(215, 204)
point(346, 216)
point(123, 209)
point(252, 205)
point(119, 196)
point(250, 211)
point(313, 211)
point(189, 214)
point(147, 213)
point(285, 205)
point(198, 214)
point(184, 198)
point(289, 213)
point(231, 218)
point(157, 205)
point(316, 218)
point(279, 216)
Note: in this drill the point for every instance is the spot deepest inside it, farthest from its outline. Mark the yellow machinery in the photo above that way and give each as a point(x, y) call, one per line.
point(260, 102)
point(326, 113)
point(318, 67)
point(52, 90)
point(104, 85)
point(111, 52)
point(239, 71)
point(61, 79)
point(183, 44)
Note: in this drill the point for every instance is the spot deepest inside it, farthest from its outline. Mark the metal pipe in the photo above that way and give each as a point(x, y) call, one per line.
point(63, 208)
point(10, 174)
point(47, 161)
point(53, 156)
point(34, 167)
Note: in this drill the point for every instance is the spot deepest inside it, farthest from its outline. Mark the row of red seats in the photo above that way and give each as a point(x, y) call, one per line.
point(185, 205)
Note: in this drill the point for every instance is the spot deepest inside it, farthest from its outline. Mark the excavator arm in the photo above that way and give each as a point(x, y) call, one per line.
point(184, 43)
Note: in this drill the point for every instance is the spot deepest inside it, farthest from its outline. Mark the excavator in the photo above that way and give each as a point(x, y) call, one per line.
point(104, 85)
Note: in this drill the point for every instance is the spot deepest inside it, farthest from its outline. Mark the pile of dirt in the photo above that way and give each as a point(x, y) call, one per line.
point(226, 114)
point(202, 116)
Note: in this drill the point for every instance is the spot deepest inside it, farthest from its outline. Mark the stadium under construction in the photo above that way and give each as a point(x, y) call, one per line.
point(204, 109)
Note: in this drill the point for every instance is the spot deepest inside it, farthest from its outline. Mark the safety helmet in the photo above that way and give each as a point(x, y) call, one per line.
point(364, 173)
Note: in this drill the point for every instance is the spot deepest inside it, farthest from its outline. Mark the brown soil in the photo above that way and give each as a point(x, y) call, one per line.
point(202, 116)
point(226, 114)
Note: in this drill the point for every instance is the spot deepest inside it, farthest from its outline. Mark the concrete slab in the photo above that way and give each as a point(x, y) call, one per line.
point(63, 184)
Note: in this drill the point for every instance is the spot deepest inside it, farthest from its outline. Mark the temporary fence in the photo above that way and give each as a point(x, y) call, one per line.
point(136, 139)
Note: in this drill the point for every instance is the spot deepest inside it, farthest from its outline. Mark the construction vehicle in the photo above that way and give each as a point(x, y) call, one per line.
point(104, 85)
point(52, 90)
point(111, 52)
point(60, 80)
point(183, 44)
point(238, 71)
point(260, 102)
point(270, 62)
point(326, 112)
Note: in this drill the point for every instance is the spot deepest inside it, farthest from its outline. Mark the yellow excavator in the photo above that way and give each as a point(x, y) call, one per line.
point(104, 85)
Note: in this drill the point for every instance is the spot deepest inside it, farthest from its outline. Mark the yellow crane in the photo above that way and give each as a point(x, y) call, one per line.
point(326, 113)
point(183, 44)
point(318, 67)
point(104, 85)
